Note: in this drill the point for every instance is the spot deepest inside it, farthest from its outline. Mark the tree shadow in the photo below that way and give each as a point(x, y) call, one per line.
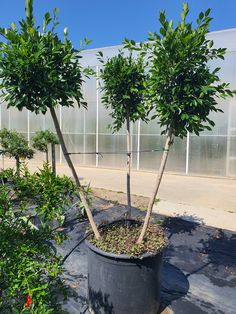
point(100, 302)
point(174, 285)
point(177, 225)
point(220, 248)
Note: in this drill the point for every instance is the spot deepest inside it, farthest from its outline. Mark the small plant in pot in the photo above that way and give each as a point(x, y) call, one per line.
point(181, 88)
point(15, 146)
point(41, 140)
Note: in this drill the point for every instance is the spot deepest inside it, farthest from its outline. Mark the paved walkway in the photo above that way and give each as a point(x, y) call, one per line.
point(208, 200)
point(211, 201)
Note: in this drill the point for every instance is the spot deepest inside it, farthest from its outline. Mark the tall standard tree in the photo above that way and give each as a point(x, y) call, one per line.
point(182, 86)
point(39, 71)
point(123, 84)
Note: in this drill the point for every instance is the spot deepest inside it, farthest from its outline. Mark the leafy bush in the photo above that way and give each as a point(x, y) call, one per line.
point(6, 174)
point(15, 146)
point(42, 139)
point(49, 193)
point(29, 269)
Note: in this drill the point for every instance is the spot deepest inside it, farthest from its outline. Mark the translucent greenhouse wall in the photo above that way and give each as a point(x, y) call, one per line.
point(212, 153)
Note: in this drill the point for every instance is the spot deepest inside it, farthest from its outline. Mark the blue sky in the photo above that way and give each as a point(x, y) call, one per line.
point(107, 22)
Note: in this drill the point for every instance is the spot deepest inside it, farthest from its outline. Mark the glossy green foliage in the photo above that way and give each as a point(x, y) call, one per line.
point(182, 86)
point(15, 145)
point(123, 88)
point(29, 265)
point(38, 70)
point(42, 139)
point(51, 194)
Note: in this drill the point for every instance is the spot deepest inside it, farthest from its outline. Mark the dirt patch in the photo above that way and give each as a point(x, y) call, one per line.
point(140, 202)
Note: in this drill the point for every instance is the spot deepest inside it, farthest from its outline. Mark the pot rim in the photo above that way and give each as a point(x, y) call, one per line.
point(121, 256)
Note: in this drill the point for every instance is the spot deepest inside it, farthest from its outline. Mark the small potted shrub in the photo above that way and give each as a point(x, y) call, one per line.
point(41, 140)
point(15, 146)
point(124, 266)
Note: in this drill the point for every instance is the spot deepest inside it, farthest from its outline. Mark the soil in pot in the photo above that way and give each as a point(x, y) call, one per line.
point(121, 238)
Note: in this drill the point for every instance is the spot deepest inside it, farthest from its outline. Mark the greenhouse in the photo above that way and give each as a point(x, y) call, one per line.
point(213, 153)
point(90, 220)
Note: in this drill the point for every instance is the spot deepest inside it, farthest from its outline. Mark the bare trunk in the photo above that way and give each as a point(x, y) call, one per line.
point(158, 182)
point(47, 159)
point(18, 166)
point(128, 139)
point(71, 166)
point(53, 159)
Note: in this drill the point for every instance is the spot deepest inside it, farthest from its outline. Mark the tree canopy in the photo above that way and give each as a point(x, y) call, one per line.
point(42, 139)
point(123, 88)
point(182, 87)
point(37, 69)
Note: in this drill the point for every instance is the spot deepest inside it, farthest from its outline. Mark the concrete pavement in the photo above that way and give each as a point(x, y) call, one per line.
point(208, 200)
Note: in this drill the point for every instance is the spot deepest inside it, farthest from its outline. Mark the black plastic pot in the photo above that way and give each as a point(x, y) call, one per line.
point(122, 284)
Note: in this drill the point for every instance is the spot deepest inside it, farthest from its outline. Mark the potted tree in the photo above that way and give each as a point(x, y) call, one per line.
point(39, 71)
point(123, 88)
point(41, 140)
point(15, 146)
point(182, 90)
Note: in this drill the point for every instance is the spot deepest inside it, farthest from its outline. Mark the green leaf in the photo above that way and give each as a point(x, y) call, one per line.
point(208, 11)
point(162, 17)
point(201, 16)
point(185, 11)
point(162, 31)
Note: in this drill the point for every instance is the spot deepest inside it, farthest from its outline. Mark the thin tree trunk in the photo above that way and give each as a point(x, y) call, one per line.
point(71, 166)
point(47, 159)
point(168, 143)
point(128, 140)
point(17, 166)
point(53, 159)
